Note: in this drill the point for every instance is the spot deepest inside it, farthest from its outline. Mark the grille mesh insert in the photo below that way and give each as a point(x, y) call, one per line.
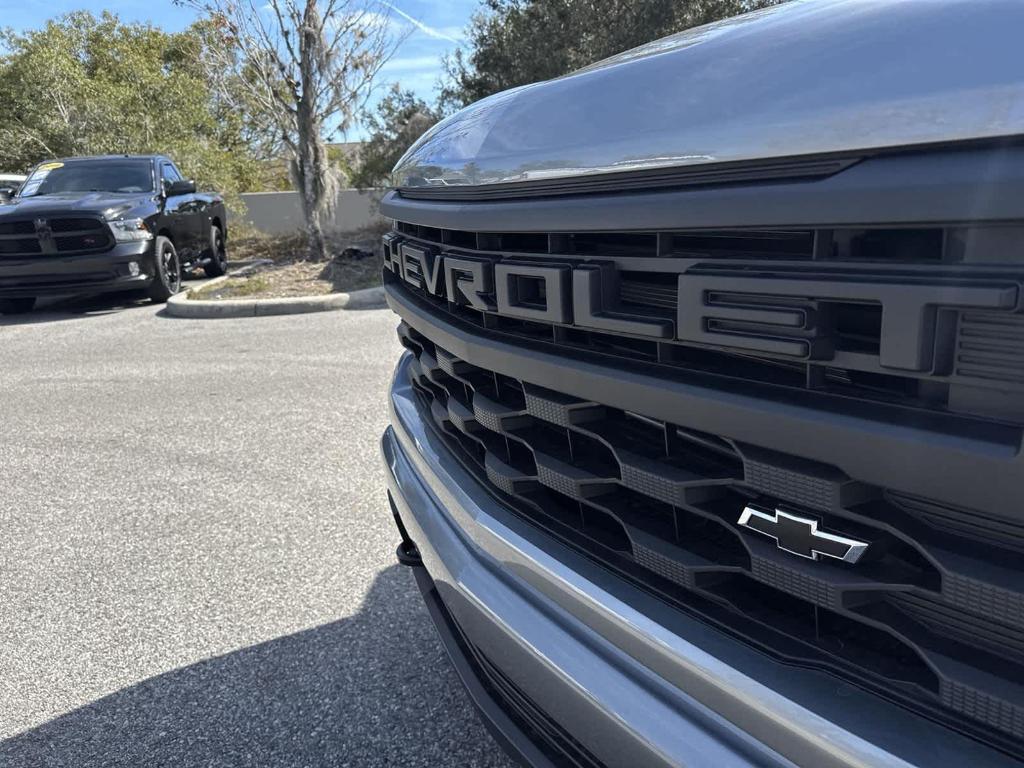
point(659, 503)
point(64, 236)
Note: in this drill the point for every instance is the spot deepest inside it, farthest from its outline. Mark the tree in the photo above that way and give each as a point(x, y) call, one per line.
point(87, 85)
point(305, 67)
point(515, 42)
point(398, 120)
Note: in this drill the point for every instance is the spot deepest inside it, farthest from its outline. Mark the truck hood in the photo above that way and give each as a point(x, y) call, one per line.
point(801, 79)
point(106, 204)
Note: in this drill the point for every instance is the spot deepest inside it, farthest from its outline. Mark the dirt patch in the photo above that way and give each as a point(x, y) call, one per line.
point(355, 263)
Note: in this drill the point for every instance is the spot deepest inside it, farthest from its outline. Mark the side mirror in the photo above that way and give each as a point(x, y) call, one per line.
point(7, 194)
point(181, 187)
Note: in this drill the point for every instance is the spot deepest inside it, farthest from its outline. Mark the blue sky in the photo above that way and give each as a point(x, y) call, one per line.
point(433, 27)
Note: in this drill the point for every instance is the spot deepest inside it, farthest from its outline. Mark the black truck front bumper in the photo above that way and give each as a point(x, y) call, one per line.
point(54, 275)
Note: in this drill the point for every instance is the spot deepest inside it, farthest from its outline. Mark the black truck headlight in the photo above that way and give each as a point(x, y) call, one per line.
point(130, 230)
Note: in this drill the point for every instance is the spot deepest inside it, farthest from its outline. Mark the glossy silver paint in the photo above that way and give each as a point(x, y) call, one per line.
point(805, 78)
point(636, 683)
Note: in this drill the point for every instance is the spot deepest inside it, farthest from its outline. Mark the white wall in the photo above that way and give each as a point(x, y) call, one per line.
point(280, 213)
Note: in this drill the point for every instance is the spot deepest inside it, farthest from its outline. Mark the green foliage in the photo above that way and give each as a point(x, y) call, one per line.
point(400, 119)
point(83, 85)
point(515, 42)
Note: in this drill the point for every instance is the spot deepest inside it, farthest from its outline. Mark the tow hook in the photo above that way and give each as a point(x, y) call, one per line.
point(409, 555)
point(407, 552)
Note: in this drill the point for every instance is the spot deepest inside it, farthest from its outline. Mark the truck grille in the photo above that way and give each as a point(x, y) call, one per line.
point(64, 236)
point(907, 341)
point(920, 317)
point(931, 617)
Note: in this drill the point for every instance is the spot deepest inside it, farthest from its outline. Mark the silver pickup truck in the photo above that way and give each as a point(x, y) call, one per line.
point(706, 449)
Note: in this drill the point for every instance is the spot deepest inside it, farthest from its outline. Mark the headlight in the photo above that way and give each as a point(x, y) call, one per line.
point(130, 230)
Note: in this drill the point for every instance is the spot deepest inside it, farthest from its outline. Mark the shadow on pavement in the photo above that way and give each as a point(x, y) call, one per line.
point(374, 689)
point(72, 307)
point(58, 308)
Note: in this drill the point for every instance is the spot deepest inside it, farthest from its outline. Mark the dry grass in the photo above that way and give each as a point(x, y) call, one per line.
point(292, 273)
point(251, 244)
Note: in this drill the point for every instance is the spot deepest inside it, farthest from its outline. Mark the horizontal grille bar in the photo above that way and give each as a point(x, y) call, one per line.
point(929, 319)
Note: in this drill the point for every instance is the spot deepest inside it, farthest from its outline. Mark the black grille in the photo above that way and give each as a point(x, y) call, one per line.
point(930, 617)
point(802, 309)
point(66, 236)
point(74, 225)
point(8, 228)
point(19, 246)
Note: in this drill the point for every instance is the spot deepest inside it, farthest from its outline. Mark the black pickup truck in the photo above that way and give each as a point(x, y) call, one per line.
point(89, 225)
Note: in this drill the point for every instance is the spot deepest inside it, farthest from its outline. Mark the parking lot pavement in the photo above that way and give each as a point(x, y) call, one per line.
point(196, 554)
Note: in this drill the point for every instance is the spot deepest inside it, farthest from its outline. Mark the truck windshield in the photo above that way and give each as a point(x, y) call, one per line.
point(56, 178)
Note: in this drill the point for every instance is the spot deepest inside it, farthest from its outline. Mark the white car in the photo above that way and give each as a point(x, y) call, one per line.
point(11, 183)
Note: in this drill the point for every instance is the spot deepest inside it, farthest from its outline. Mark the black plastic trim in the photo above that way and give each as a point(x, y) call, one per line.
point(502, 728)
point(744, 172)
point(76, 284)
point(948, 187)
point(908, 457)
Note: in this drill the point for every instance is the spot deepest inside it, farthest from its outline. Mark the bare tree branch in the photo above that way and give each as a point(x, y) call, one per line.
point(304, 66)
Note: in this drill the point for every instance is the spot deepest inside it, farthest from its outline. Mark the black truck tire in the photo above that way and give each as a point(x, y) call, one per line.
point(218, 264)
point(167, 267)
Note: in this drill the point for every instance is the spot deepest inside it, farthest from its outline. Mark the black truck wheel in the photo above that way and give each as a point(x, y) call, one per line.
point(167, 280)
point(218, 254)
point(17, 306)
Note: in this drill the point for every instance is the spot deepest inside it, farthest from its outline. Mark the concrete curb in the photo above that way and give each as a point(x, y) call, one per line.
point(182, 306)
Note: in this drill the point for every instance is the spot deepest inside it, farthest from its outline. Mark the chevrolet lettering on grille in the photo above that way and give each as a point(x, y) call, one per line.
point(779, 316)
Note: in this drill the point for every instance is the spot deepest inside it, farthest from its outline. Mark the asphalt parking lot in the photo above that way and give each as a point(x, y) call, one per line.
point(196, 555)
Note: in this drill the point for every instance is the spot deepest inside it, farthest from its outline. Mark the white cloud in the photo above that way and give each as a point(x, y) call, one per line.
point(448, 33)
point(373, 19)
point(451, 34)
point(420, 83)
point(413, 64)
point(403, 24)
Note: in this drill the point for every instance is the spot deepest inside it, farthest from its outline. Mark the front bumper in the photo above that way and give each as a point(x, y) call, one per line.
point(613, 671)
point(90, 273)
